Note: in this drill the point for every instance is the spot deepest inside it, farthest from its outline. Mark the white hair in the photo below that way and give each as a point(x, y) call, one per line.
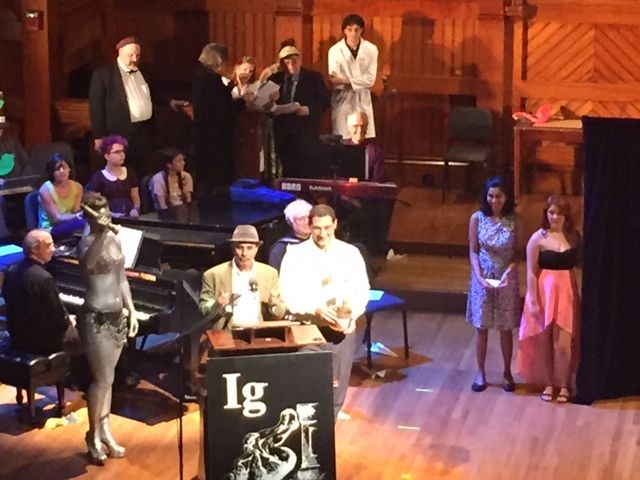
point(32, 241)
point(354, 115)
point(297, 208)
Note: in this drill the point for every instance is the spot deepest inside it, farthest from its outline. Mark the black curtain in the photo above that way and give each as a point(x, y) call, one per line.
point(610, 335)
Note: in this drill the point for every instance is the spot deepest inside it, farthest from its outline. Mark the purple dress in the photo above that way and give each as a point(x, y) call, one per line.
point(117, 191)
point(497, 308)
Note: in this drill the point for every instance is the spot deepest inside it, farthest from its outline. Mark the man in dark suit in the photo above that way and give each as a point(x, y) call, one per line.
point(120, 103)
point(37, 321)
point(296, 133)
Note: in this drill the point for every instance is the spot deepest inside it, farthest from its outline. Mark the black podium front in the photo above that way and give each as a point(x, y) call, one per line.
point(269, 416)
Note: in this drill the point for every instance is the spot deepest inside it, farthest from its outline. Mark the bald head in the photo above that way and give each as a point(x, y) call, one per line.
point(357, 122)
point(38, 245)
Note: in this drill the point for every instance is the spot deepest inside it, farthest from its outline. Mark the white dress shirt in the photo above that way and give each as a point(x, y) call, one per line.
point(138, 93)
point(311, 278)
point(246, 309)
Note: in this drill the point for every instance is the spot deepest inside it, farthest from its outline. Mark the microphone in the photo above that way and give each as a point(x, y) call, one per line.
point(91, 212)
point(253, 285)
point(232, 299)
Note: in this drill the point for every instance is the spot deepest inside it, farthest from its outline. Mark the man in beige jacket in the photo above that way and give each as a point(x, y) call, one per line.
point(242, 292)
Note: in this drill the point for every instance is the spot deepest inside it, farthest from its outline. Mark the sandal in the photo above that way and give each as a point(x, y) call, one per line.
point(564, 395)
point(547, 394)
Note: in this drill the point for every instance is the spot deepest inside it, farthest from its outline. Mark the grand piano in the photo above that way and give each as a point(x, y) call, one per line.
point(166, 302)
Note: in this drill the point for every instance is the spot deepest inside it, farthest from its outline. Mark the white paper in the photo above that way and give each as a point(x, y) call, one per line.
point(493, 282)
point(130, 241)
point(263, 91)
point(285, 109)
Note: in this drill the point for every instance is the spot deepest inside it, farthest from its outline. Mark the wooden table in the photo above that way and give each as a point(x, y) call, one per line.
point(526, 137)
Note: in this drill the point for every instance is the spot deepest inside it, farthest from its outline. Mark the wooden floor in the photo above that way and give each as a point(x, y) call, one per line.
point(419, 421)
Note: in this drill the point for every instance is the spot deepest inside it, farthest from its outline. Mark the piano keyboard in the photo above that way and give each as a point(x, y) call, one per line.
point(79, 301)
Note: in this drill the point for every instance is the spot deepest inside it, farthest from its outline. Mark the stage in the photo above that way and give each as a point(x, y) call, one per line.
point(416, 419)
point(419, 421)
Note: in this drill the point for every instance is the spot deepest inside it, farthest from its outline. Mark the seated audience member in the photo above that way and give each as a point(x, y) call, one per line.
point(244, 74)
point(297, 216)
point(36, 319)
point(358, 123)
point(115, 182)
point(254, 285)
point(60, 199)
point(173, 185)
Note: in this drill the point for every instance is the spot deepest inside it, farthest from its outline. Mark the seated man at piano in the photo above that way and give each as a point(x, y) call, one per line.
point(358, 123)
point(37, 321)
point(241, 292)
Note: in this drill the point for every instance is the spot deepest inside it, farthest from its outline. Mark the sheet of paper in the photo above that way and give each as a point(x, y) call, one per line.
point(263, 91)
point(493, 282)
point(285, 109)
point(130, 241)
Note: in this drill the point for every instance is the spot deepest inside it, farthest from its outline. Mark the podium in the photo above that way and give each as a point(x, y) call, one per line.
point(269, 406)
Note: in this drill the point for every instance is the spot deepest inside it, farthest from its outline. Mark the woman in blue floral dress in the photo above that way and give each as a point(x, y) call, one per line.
point(495, 243)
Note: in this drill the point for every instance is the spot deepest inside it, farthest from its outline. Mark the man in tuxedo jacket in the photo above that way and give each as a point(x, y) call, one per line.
point(120, 103)
point(296, 133)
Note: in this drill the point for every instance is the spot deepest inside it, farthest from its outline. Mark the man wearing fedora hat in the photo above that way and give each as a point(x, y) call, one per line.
point(296, 133)
point(244, 291)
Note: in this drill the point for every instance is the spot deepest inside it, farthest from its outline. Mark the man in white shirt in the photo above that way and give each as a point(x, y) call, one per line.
point(353, 66)
point(120, 103)
point(324, 280)
point(244, 291)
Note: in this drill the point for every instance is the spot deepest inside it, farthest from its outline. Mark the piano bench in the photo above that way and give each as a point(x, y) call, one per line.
point(26, 371)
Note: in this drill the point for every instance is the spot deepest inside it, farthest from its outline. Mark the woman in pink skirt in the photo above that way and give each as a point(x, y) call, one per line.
point(548, 351)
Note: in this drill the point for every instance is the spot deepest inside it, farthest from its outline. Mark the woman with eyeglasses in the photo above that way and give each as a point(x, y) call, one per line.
point(117, 183)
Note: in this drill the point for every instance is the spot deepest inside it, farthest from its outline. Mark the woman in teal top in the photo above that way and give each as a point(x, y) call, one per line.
point(60, 199)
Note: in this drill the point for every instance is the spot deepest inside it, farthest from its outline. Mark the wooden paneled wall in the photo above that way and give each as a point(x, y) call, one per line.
point(502, 54)
point(581, 64)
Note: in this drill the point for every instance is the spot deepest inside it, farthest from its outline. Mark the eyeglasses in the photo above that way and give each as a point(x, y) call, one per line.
point(117, 152)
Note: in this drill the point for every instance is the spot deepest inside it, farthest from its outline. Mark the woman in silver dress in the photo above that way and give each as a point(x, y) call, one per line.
point(107, 317)
point(495, 243)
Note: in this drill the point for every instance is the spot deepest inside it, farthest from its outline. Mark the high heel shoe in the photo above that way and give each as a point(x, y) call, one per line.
point(114, 449)
point(96, 455)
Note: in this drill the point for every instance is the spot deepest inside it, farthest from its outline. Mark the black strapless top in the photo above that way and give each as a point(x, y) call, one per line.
point(552, 260)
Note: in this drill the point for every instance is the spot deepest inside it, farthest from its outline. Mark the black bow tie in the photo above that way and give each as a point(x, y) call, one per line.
point(131, 71)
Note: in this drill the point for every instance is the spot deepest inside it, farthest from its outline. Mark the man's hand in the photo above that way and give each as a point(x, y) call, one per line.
point(134, 212)
point(302, 111)
point(274, 96)
point(176, 105)
point(97, 143)
point(338, 80)
point(223, 299)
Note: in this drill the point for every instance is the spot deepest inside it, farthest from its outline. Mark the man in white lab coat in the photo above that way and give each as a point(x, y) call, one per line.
point(353, 65)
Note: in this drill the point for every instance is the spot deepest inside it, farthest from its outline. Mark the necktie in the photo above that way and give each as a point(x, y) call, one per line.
point(286, 94)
